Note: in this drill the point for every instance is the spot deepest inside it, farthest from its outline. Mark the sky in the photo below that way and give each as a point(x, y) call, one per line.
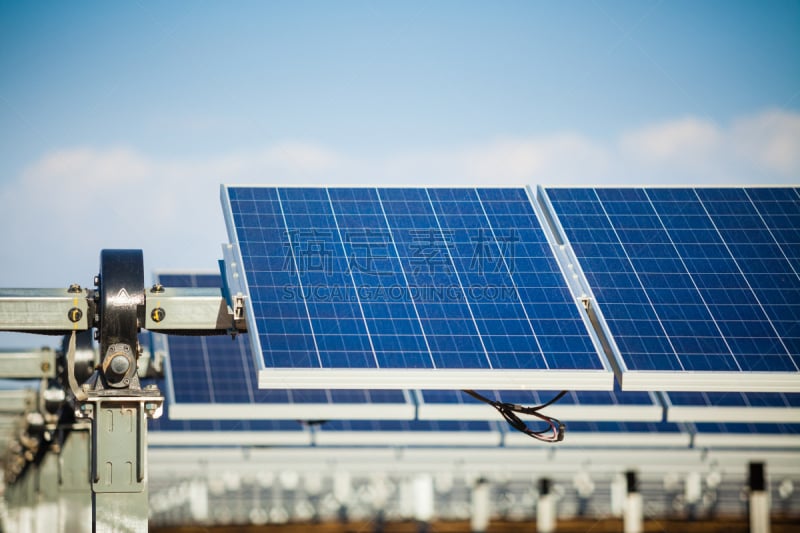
point(119, 121)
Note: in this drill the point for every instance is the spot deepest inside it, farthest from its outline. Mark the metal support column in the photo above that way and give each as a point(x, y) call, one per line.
point(481, 506)
point(759, 499)
point(47, 497)
point(119, 433)
point(545, 508)
point(75, 494)
point(633, 518)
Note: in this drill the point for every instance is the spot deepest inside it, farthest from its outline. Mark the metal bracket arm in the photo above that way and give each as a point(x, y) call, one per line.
point(49, 311)
point(192, 311)
point(29, 364)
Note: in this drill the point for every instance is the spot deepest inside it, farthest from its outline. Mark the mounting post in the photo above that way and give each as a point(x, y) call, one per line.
point(115, 401)
point(759, 499)
point(633, 521)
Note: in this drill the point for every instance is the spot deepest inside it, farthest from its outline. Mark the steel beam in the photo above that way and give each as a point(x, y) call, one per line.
point(28, 364)
point(198, 310)
point(56, 311)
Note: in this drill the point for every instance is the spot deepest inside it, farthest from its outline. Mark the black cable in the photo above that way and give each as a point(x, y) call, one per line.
point(553, 433)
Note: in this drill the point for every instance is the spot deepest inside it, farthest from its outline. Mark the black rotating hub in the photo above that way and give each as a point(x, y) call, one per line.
point(121, 312)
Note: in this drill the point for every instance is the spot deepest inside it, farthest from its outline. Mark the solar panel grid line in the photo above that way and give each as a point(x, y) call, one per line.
point(460, 283)
point(679, 251)
point(228, 438)
point(406, 204)
point(694, 283)
point(732, 407)
point(405, 279)
point(772, 234)
point(610, 434)
point(408, 434)
point(508, 268)
point(353, 280)
point(746, 436)
point(715, 219)
point(575, 406)
point(639, 280)
point(744, 276)
point(299, 278)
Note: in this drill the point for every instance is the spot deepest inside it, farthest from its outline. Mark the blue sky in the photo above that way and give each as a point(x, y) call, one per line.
point(118, 121)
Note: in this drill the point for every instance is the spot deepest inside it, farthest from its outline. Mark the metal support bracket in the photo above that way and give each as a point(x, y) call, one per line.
point(51, 311)
point(28, 364)
point(119, 458)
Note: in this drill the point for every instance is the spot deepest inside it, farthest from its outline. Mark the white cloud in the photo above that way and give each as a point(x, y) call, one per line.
point(770, 140)
point(75, 201)
point(673, 141)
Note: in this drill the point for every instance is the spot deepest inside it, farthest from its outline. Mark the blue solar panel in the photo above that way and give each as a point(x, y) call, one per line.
point(699, 287)
point(575, 406)
point(406, 288)
point(616, 434)
point(744, 435)
point(407, 433)
point(733, 407)
point(215, 378)
point(167, 431)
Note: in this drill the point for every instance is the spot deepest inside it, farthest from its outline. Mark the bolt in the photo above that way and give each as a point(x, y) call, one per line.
point(119, 365)
point(151, 386)
point(45, 366)
point(157, 287)
point(74, 288)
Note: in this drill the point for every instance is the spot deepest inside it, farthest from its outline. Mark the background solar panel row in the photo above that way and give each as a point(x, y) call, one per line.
point(575, 405)
point(215, 378)
point(733, 407)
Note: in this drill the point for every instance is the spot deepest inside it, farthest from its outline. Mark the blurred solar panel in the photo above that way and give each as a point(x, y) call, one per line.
point(575, 406)
point(699, 287)
point(407, 433)
point(743, 435)
point(405, 288)
point(168, 432)
point(624, 435)
point(215, 378)
point(733, 407)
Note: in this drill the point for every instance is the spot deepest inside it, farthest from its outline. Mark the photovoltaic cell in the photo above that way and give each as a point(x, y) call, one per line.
point(405, 288)
point(575, 406)
point(168, 432)
point(744, 435)
point(699, 287)
point(215, 378)
point(407, 433)
point(733, 407)
point(616, 435)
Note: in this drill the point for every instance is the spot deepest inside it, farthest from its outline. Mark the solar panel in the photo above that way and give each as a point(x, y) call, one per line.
point(407, 433)
point(733, 407)
point(215, 378)
point(576, 405)
point(699, 288)
point(168, 432)
point(615, 434)
point(742, 435)
point(405, 288)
